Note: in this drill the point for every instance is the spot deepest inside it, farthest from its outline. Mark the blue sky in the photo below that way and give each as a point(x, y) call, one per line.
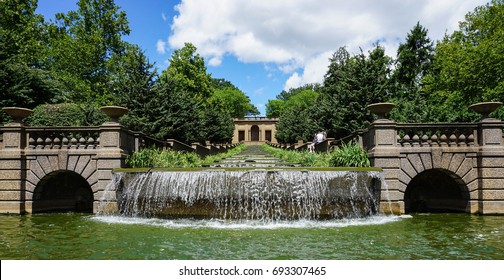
point(266, 46)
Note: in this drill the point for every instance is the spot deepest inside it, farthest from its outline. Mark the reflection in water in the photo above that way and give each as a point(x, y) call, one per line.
point(79, 236)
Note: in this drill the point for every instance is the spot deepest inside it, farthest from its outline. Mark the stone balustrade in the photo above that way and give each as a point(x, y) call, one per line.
point(436, 135)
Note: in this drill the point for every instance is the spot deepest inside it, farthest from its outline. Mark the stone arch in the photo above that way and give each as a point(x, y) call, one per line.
point(254, 133)
point(63, 191)
point(436, 190)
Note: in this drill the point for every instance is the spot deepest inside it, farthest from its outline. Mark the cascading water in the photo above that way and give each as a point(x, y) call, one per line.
point(268, 195)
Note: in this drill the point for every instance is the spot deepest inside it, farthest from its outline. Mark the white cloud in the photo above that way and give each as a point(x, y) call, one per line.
point(164, 17)
point(298, 36)
point(161, 46)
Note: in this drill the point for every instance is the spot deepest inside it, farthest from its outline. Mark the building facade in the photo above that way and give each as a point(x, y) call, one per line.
point(255, 130)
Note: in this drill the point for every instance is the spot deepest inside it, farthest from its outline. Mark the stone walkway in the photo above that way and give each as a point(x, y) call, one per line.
point(252, 157)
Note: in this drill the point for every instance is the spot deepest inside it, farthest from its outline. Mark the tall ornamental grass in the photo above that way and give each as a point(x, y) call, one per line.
point(347, 155)
point(153, 157)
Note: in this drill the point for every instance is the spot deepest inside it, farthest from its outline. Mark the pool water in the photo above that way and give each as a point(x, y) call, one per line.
point(95, 237)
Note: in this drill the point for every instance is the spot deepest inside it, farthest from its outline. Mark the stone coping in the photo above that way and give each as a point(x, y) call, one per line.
point(272, 169)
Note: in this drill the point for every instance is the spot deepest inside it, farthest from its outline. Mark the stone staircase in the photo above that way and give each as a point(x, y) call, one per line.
point(252, 157)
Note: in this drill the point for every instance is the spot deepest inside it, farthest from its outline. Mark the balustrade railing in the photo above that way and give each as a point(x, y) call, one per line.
point(63, 137)
point(436, 135)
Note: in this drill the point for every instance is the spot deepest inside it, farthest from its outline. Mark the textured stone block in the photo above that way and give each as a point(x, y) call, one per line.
point(10, 164)
point(445, 160)
point(493, 194)
point(408, 168)
point(10, 207)
point(10, 185)
point(492, 162)
point(62, 160)
point(391, 173)
point(10, 174)
point(53, 160)
point(404, 178)
point(104, 175)
point(470, 176)
point(456, 162)
point(495, 172)
point(105, 195)
point(473, 186)
point(396, 208)
point(36, 169)
point(416, 162)
point(102, 185)
point(392, 195)
point(109, 163)
point(426, 161)
point(72, 162)
point(492, 207)
point(45, 164)
point(105, 207)
point(465, 167)
point(493, 183)
point(81, 164)
point(10, 195)
point(387, 162)
point(473, 207)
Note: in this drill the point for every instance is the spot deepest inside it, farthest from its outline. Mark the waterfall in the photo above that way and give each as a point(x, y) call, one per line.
point(268, 195)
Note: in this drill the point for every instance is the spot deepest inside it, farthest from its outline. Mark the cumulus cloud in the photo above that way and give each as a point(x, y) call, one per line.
point(298, 36)
point(161, 46)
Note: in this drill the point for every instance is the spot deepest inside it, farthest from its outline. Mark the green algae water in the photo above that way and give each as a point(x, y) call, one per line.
point(95, 237)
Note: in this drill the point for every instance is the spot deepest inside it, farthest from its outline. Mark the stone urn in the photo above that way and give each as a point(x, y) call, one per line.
point(485, 108)
point(114, 112)
point(17, 113)
point(381, 109)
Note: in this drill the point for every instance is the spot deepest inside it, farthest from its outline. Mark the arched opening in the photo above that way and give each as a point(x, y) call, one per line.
point(254, 133)
point(63, 191)
point(436, 191)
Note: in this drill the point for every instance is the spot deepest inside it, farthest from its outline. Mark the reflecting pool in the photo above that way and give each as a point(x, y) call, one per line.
point(79, 236)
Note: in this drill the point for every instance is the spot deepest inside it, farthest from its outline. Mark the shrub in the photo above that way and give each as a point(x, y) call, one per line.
point(349, 155)
point(66, 114)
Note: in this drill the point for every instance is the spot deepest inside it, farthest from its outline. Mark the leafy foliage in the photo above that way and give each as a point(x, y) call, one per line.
point(66, 114)
point(349, 155)
point(152, 157)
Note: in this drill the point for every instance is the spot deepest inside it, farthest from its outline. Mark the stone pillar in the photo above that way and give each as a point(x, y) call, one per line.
point(384, 153)
point(13, 169)
point(111, 155)
point(381, 144)
point(490, 159)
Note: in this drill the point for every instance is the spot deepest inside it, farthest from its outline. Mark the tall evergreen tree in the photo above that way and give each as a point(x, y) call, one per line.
point(414, 62)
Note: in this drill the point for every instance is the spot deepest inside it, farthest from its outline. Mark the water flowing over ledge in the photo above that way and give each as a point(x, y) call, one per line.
point(263, 195)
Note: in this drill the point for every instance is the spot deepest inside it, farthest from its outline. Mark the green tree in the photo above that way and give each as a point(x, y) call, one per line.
point(188, 71)
point(81, 46)
point(468, 65)
point(176, 114)
point(232, 100)
point(274, 108)
point(133, 81)
point(295, 122)
point(352, 83)
point(414, 62)
point(23, 81)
